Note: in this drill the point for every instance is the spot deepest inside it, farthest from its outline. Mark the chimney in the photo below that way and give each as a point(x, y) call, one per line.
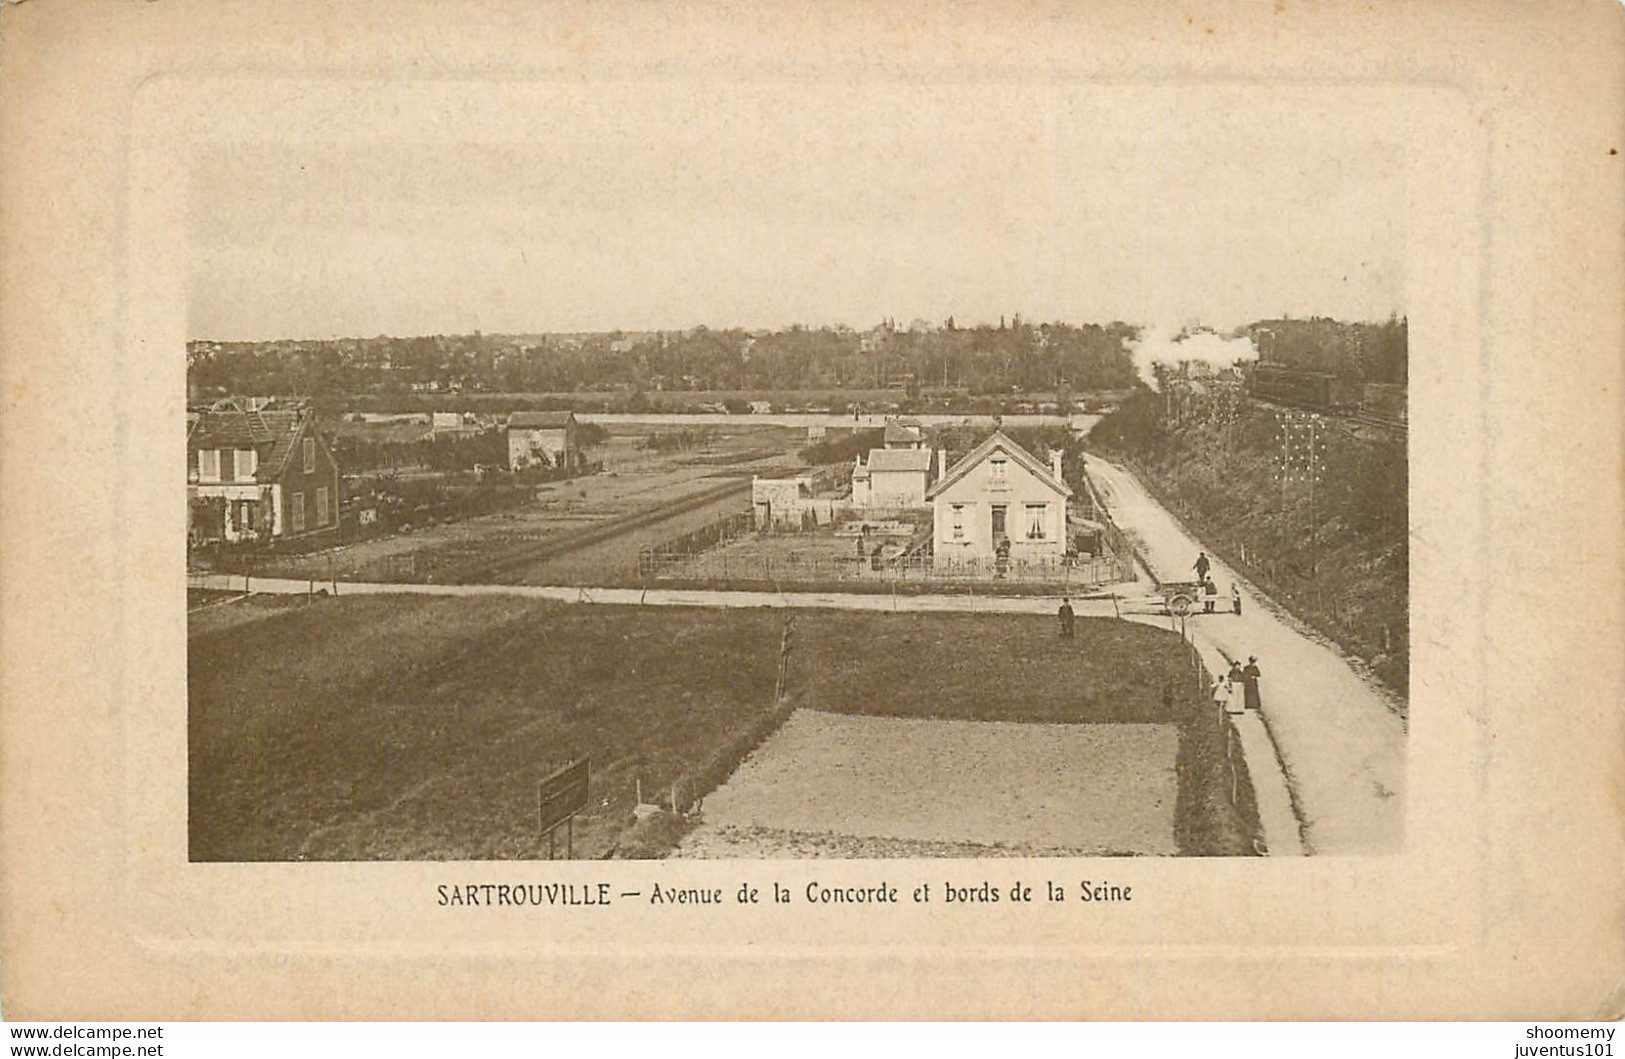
point(942, 463)
point(1055, 464)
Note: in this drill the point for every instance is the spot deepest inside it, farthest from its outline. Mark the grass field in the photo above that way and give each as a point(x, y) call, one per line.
point(392, 728)
point(416, 728)
point(985, 668)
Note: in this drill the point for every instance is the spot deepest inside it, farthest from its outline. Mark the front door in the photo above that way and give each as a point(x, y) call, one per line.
point(998, 523)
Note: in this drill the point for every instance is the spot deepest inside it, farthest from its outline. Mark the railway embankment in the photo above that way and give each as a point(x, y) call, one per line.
point(1315, 513)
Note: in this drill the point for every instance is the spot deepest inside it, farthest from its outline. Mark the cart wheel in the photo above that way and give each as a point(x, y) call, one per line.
point(1179, 606)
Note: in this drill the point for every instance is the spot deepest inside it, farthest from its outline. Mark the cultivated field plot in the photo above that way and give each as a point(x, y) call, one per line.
point(400, 727)
point(598, 521)
point(827, 558)
point(980, 736)
point(1007, 788)
point(825, 554)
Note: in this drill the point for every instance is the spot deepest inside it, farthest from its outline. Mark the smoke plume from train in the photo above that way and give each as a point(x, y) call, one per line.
point(1161, 344)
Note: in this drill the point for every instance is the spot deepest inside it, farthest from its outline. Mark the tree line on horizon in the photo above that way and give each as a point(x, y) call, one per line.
point(1012, 356)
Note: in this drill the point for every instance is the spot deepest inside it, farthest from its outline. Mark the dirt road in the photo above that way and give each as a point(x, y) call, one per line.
point(1341, 737)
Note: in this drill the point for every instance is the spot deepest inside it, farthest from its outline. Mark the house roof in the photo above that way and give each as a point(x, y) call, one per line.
point(901, 432)
point(899, 460)
point(540, 420)
point(287, 430)
point(273, 434)
point(981, 452)
point(229, 429)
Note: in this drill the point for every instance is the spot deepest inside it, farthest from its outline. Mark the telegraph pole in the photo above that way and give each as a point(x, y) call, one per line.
point(1301, 456)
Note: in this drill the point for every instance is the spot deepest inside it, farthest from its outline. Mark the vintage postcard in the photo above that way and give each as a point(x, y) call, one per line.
point(683, 511)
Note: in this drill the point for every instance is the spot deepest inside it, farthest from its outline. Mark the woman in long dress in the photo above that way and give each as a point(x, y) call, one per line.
point(1249, 681)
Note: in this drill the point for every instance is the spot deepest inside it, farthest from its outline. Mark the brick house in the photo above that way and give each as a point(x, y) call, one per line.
point(258, 475)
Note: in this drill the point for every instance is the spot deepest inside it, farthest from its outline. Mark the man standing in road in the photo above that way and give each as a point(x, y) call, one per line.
point(1235, 597)
point(1065, 614)
point(1249, 681)
point(1202, 566)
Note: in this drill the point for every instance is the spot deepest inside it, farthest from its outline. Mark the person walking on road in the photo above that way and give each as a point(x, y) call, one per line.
point(1235, 598)
point(1234, 676)
point(1066, 616)
point(1202, 566)
point(1210, 595)
point(1249, 681)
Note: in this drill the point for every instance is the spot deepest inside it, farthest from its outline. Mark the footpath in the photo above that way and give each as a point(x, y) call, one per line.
point(1340, 741)
point(1095, 605)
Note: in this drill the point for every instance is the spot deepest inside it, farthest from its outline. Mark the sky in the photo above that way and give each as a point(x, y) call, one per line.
point(605, 206)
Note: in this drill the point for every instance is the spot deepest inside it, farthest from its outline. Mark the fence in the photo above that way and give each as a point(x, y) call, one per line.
point(1117, 543)
point(712, 535)
point(1238, 788)
point(738, 565)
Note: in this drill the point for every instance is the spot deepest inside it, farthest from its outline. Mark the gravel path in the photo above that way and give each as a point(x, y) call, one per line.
point(831, 784)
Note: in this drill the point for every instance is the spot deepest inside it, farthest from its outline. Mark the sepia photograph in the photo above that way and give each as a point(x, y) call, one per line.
point(874, 473)
point(768, 512)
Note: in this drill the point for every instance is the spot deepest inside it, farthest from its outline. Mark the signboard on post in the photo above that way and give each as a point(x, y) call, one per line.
point(558, 798)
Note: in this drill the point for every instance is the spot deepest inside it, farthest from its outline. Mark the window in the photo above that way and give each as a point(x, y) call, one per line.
point(995, 470)
point(321, 506)
point(310, 455)
point(1035, 522)
point(296, 506)
point(245, 516)
point(998, 522)
point(244, 464)
point(208, 464)
point(959, 522)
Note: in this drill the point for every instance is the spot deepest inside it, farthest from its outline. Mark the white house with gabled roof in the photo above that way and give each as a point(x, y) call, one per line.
point(893, 478)
point(1000, 492)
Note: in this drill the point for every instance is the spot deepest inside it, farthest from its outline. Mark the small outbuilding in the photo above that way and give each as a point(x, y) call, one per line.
point(543, 439)
point(893, 478)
